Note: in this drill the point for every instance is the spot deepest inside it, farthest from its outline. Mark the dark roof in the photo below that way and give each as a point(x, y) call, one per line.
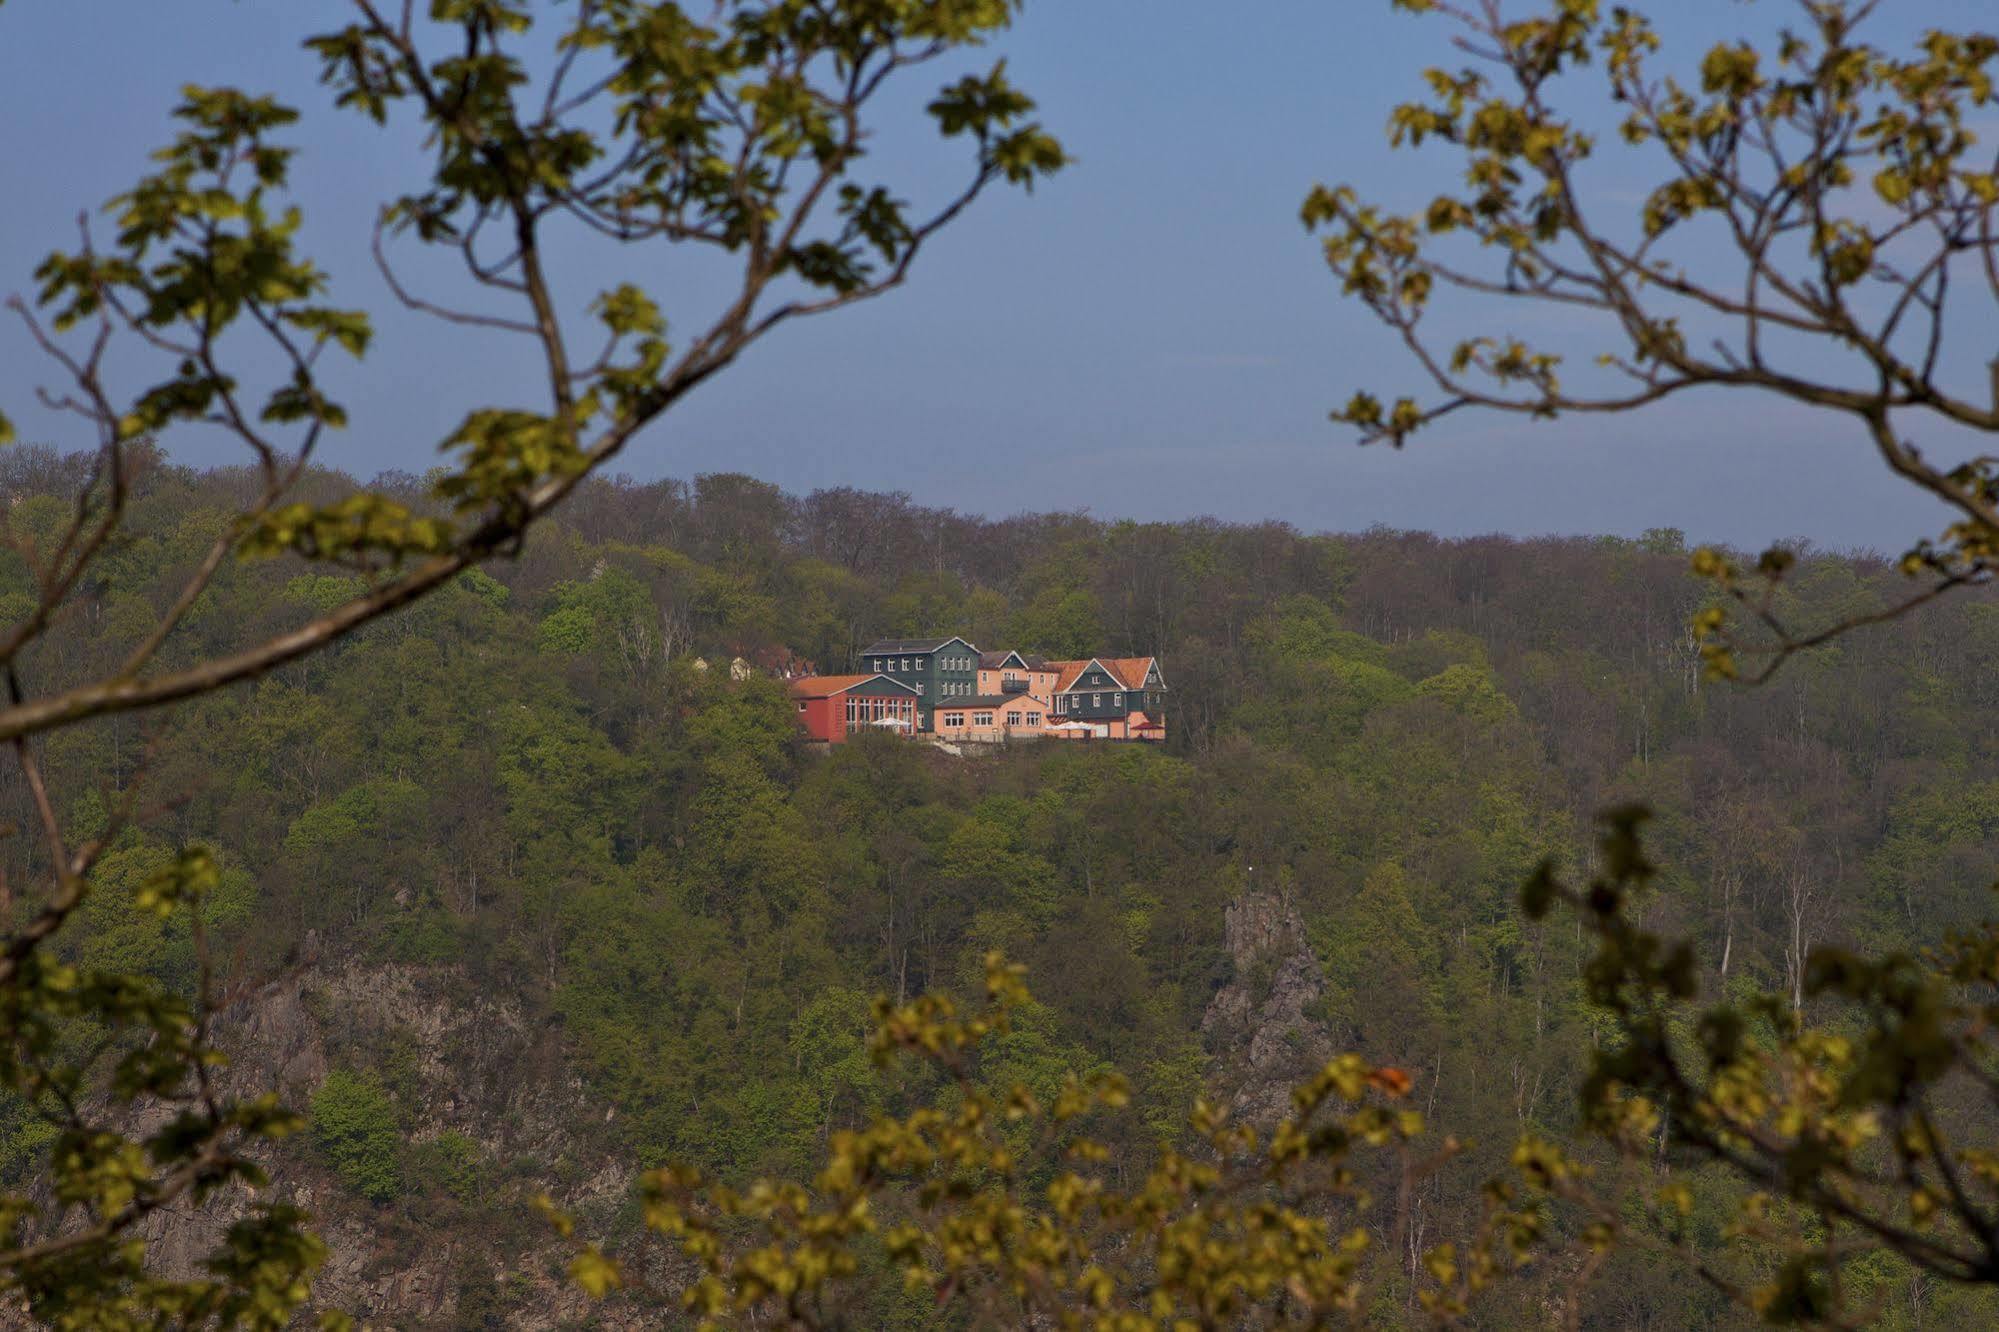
point(992, 661)
point(888, 645)
point(988, 701)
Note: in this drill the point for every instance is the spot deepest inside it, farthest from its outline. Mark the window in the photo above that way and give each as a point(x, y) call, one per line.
point(1013, 719)
point(982, 719)
point(954, 719)
point(1034, 719)
point(1096, 700)
point(919, 688)
point(1117, 700)
point(801, 705)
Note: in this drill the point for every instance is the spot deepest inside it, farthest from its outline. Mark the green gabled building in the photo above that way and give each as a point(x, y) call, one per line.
point(941, 670)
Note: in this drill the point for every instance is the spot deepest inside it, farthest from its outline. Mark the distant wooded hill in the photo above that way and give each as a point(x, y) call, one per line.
point(523, 786)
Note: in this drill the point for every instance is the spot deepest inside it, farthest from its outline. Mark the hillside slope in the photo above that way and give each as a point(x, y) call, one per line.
point(520, 898)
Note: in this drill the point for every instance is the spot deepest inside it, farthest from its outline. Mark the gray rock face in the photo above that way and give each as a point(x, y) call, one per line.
point(1257, 1024)
point(470, 1066)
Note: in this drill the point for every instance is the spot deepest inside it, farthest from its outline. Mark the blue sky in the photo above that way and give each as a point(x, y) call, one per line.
point(1150, 335)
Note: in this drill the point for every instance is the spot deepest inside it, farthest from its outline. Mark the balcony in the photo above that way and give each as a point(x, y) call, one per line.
point(1012, 684)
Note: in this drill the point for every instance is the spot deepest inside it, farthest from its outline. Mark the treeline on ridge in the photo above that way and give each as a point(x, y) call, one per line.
point(527, 784)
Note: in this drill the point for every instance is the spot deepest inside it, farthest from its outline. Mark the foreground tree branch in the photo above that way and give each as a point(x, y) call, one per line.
point(743, 134)
point(1821, 213)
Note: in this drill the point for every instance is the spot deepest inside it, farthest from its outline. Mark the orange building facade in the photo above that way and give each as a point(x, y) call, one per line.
point(989, 718)
point(1016, 673)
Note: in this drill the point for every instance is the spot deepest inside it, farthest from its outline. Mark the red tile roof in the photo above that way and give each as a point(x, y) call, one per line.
point(1066, 673)
point(1127, 671)
point(825, 686)
point(1131, 670)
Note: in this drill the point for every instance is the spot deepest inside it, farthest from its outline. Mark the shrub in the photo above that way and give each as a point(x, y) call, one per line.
point(354, 1126)
point(446, 1164)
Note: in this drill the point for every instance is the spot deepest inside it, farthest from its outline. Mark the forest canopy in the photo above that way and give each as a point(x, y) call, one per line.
point(527, 788)
point(386, 858)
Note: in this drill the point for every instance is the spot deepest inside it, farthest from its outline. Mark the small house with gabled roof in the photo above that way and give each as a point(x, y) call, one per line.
point(1017, 673)
point(1126, 696)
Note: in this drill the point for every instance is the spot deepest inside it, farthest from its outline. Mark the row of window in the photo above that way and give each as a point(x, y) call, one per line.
point(954, 720)
point(903, 665)
point(871, 709)
point(1074, 702)
point(947, 688)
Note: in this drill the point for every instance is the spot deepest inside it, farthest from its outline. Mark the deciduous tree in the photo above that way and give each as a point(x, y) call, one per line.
point(738, 133)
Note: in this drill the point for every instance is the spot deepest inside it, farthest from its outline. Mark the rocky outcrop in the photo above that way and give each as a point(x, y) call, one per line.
point(1257, 1025)
point(463, 1064)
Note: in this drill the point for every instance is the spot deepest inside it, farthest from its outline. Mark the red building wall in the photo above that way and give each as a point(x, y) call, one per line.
point(824, 718)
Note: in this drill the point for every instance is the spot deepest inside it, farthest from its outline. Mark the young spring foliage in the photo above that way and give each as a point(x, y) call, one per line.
point(738, 131)
point(1818, 218)
point(1000, 1206)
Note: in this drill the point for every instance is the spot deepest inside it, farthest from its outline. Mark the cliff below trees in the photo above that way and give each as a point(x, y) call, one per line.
point(1258, 1028)
point(557, 872)
point(483, 1117)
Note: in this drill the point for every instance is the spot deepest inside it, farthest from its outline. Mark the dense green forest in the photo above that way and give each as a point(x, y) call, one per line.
point(527, 785)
